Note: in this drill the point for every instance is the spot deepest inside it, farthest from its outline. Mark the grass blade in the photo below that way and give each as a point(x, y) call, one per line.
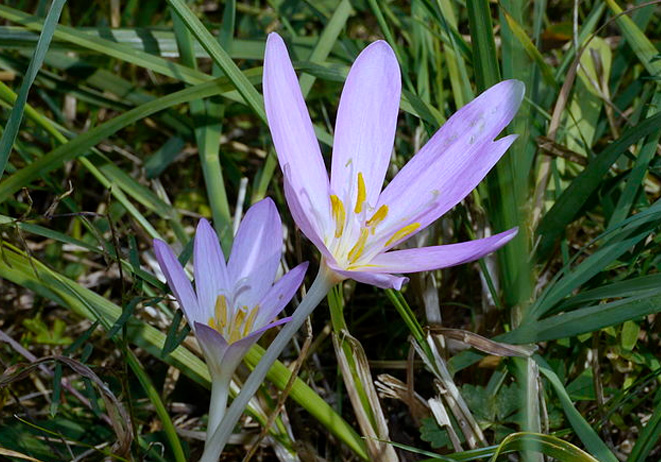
point(14, 122)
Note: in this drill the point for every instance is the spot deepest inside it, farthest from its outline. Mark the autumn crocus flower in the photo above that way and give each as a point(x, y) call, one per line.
point(349, 218)
point(235, 302)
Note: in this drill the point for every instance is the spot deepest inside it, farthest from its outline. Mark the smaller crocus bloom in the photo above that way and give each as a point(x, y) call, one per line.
point(233, 303)
point(352, 221)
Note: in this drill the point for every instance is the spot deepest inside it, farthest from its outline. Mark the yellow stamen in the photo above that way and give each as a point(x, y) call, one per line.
point(339, 214)
point(219, 321)
point(234, 336)
point(378, 217)
point(250, 320)
point(357, 250)
point(402, 233)
point(235, 326)
point(362, 193)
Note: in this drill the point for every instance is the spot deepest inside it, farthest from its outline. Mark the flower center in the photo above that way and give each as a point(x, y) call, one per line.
point(348, 244)
point(233, 324)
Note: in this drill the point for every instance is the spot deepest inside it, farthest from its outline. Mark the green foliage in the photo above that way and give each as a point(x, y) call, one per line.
point(40, 332)
point(128, 122)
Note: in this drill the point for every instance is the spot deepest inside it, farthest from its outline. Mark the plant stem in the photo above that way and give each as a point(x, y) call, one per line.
point(220, 387)
point(324, 281)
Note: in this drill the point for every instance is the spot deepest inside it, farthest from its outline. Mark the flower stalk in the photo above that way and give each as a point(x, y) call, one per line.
point(322, 284)
point(233, 302)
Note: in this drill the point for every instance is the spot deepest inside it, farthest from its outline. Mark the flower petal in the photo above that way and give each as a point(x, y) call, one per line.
point(308, 218)
point(215, 347)
point(210, 268)
point(256, 253)
point(178, 281)
point(221, 357)
point(452, 163)
point(280, 295)
point(365, 125)
point(381, 280)
point(441, 256)
point(291, 128)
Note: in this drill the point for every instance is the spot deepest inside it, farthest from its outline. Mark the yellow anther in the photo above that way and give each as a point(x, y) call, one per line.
point(234, 329)
point(339, 214)
point(402, 233)
point(250, 320)
point(219, 321)
point(362, 193)
point(378, 217)
point(357, 250)
point(234, 336)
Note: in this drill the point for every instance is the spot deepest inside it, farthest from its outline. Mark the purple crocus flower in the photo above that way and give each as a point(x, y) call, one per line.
point(235, 302)
point(351, 220)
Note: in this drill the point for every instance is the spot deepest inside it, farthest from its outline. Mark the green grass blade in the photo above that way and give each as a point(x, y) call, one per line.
point(485, 60)
point(326, 41)
point(551, 446)
point(79, 145)
point(585, 320)
point(109, 48)
point(648, 438)
point(14, 122)
point(252, 98)
point(572, 199)
point(531, 49)
point(587, 435)
point(635, 179)
point(641, 45)
point(84, 302)
point(155, 397)
point(207, 135)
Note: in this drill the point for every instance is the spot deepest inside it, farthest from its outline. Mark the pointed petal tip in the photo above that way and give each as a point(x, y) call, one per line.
point(267, 204)
point(380, 54)
point(162, 251)
point(203, 224)
point(509, 234)
point(262, 213)
point(516, 88)
point(274, 39)
point(380, 46)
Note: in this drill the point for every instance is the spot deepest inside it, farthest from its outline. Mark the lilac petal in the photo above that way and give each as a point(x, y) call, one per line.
point(210, 269)
point(223, 358)
point(178, 281)
point(441, 256)
point(215, 348)
point(366, 123)
point(291, 128)
point(280, 295)
point(381, 280)
point(256, 253)
point(307, 218)
point(452, 162)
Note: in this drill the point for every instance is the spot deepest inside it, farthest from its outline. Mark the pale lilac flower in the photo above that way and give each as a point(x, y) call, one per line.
point(351, 220)
point(235, 302)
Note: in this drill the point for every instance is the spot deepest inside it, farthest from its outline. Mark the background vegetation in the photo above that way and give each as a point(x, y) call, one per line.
point(126, 121)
